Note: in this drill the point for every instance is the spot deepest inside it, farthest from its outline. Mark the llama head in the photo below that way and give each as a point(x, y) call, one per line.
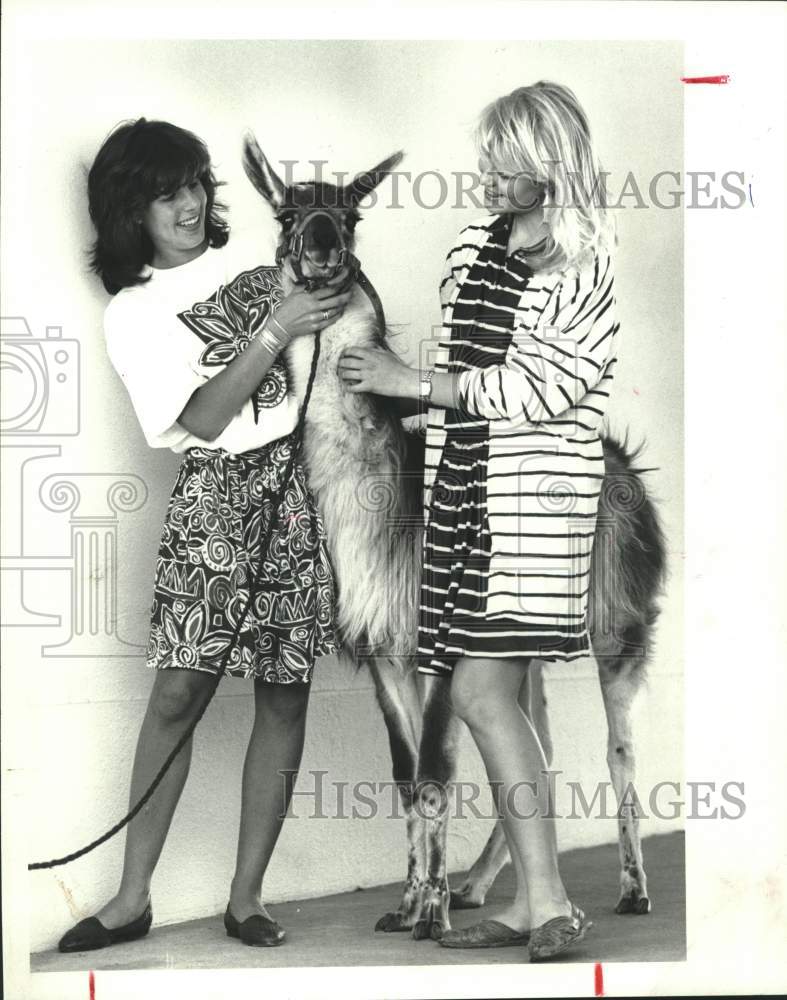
point(324, 215)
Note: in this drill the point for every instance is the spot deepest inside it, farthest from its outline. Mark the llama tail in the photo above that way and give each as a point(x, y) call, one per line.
point(629, 559)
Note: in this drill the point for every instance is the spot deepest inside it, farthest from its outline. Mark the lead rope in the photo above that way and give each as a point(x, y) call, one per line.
point(297, 441)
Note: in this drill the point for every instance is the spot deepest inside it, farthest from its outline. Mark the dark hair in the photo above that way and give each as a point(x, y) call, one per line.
point(138, 162)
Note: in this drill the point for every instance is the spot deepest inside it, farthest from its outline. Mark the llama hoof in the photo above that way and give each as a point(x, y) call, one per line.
point(437, 930)
point(463, 899)
point(392, 922)
point(432, 925)
point(421, 930)
point(630, 903)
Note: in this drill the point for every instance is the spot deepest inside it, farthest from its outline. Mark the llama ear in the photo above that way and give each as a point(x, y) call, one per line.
point(361, 185)
point(261, 173)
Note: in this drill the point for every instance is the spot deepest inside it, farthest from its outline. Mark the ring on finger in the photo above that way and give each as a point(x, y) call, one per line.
point(325, 314)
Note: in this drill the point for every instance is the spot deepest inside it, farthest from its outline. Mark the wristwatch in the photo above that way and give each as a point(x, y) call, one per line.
point(425, 386)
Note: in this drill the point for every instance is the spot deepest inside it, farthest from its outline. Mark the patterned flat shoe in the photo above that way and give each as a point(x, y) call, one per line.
point(255, 930)
point(486, 934)
point(558, 934)
point(90, 934)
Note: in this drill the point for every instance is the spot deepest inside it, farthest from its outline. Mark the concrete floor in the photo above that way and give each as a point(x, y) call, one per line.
point(339, 930)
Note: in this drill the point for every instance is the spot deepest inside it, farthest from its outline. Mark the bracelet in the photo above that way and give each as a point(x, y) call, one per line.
point(284, 333)
point(268, 339)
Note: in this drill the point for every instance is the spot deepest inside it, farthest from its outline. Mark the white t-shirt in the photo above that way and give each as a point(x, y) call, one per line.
point(168, 336)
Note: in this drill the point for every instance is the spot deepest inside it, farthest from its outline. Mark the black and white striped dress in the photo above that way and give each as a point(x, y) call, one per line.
point(513, 474)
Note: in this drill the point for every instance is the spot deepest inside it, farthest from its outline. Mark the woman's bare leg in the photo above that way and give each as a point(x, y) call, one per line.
point(273, 757)
point(485, 695)
point(175, 699)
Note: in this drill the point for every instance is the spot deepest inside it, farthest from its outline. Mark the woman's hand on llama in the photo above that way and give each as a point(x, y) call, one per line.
point(303, 312)
point(375, 369)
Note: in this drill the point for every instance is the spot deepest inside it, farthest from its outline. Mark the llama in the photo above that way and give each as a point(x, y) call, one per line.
point(354, 445)
point(628, 569)
point(365, 473)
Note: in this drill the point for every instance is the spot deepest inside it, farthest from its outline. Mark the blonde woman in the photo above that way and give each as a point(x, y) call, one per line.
point(514, 466)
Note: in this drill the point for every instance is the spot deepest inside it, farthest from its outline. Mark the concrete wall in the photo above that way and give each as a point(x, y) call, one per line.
point(70, 739)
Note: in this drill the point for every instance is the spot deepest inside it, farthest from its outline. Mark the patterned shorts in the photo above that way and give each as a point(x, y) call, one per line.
point(219, 511)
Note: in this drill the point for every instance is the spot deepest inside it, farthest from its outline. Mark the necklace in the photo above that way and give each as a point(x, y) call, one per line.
point(528, 248)
point(523, 252)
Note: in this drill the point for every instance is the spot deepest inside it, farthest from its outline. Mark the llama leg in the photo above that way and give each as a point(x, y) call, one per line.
point(436, 769)
point(471, 894)
point(620, 678)
point(397, 695)
point(628, 570)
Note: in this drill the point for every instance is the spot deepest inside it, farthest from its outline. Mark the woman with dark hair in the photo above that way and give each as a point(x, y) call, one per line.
point(195, 330)
point(137, 165)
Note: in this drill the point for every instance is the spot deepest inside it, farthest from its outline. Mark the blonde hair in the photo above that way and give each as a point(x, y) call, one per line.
point(542, 130)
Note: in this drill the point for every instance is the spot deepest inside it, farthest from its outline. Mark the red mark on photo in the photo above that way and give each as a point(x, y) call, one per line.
point(599, 983)
point(724, 78)
point(91, 985)
point(636, 392)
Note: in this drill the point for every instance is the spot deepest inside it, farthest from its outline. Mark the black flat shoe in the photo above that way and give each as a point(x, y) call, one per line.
point(255, 930)
point(90, 934)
